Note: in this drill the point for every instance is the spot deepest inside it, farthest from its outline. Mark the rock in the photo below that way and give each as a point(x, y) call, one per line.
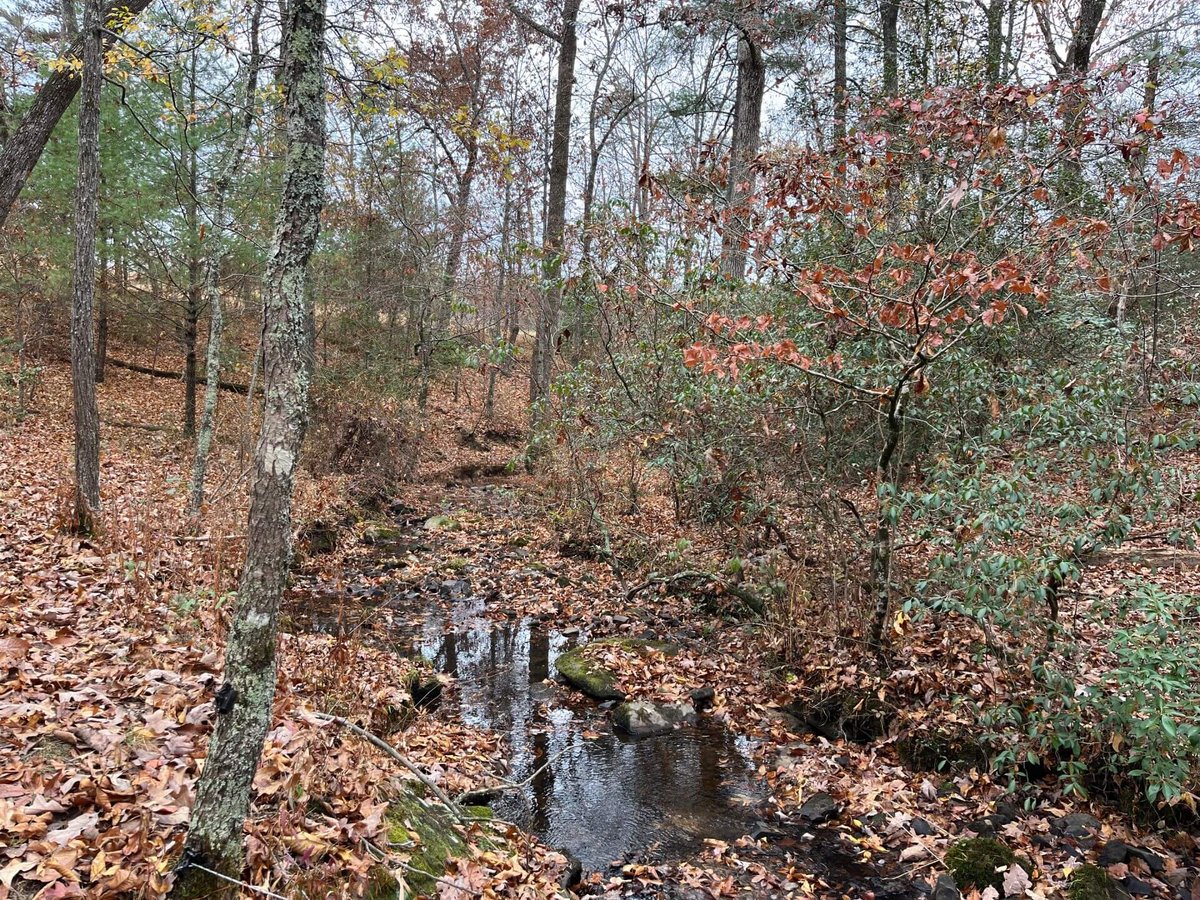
point(922, 828)
point(573, 873)
point(819, 808)
point(1153, 861)
point(946, 889)
point(455, 588)
point(441, 523)
point(1114, 852)
point(1138, 888)
point(437, 842)
point(1093, 883)
point(702, 698)
point(1079, 826)
point(761, 830)
point(973, 863)
point(592, 678)
point(642, 718)
point(381, 534)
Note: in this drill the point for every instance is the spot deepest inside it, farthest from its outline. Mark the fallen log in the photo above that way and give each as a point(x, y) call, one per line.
point(235, 387)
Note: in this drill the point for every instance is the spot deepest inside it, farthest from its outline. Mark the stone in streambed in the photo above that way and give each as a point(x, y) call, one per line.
point(819, 808)
point(641, 718)
point(593, 678)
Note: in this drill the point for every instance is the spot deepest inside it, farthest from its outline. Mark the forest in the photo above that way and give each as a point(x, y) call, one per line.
point(600, 448)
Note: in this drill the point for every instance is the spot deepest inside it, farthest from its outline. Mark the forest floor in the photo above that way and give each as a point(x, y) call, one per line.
point(110, 649)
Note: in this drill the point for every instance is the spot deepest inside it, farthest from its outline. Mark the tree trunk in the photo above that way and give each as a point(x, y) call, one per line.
point(191, 315)
point(24, 147)
point(102, 304)
point(83, 358)
point(743, 147)
point(556, 211)
point(840, 99)
point(245, 697)
point(212, 265)
point(889, 17)
point(995, 40)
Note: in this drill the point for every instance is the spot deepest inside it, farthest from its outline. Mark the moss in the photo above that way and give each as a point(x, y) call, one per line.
point(479, 812)
point(441, 523)
point(1093, 883)
point(594, 679)
point(381, 534)
point(973, 863)
point(430, 829)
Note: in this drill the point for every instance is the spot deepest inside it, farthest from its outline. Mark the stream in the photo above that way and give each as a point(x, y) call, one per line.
point(585, 788)
point(605, 797)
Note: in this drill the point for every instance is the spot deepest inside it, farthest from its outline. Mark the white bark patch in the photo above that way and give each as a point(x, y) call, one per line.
point(257, 620)
point(280, 461)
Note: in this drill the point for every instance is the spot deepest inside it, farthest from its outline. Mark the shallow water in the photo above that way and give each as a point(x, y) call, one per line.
point(603, 796)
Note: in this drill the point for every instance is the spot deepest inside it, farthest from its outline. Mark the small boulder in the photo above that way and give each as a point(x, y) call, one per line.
point(702, 698)
point(1114, 852)
point(1079, 826)
point(455, 588)
point(922, 828)
point(441, 523)
point(946, 889)
point(819, 808)
point(642, 718)
point(594, 679)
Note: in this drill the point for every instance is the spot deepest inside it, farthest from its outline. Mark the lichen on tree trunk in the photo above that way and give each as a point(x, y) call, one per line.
point(244, 700)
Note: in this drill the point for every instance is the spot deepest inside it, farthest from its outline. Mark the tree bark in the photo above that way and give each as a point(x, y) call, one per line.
point(995, 39)
point(840, 99)
point(24, 147)
point(245, 697)
point(83, 358)
point(743, 147)
point(102, 308)
point(556, 211)
point(889, 17)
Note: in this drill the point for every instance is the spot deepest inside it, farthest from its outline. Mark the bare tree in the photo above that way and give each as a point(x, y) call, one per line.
point(244, 700)
point(743, 147)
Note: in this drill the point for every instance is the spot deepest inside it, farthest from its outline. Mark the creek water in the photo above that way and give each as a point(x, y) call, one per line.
point(603, 796)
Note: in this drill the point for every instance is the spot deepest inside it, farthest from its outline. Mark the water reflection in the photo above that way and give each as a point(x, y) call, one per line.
point(604, 796)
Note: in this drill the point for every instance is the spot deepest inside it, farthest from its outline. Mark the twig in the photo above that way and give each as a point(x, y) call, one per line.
point(391, 751)
point(505, 786)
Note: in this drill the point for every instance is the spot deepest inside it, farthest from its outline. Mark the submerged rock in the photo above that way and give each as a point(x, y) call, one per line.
point(642, 718)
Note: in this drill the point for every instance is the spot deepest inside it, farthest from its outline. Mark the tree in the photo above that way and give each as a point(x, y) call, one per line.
point(553, 246)
point(245, 698)
point(83, 358)
point(743, 146)
point(24, 147)
point(215, 257)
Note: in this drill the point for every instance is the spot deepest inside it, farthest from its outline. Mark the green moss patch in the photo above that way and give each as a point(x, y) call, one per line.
point(430, 828)
point(973, 863)
point(1093, 883)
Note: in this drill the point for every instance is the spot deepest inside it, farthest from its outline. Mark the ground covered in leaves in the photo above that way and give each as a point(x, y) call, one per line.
point(110, 649)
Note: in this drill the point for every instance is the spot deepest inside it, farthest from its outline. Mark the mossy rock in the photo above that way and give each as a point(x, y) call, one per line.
point(594, 679)
point(437, 840)
point(973, 863)
point(442, 523)
point(939, 751)
point(1091, 882)
point(381, 534)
